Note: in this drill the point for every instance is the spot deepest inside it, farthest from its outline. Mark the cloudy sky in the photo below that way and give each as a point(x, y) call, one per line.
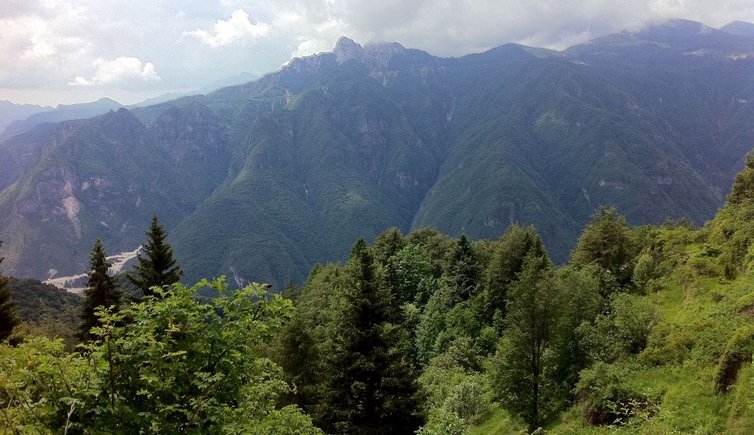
point(64, 51)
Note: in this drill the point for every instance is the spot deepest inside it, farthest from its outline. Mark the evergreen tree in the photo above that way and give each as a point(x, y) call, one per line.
point(743, 185)
point(463, 270)
point(8, 317)
point(507, 261)
point(156, 267)
point(606, 241)
point(387, 244)
point(369, 385)
point(100, 290)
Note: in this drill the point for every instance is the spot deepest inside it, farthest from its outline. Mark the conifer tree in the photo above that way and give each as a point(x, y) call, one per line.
point(606, 241)
point(507, 261)
point(8, 317)
point(463, 270)
point(156, 267)
point(388, 244)
point(369, 385)
point(100, 290)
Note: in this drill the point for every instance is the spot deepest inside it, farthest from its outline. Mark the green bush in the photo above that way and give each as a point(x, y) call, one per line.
point(168, 364)
point(468, 399)
point(606, 397)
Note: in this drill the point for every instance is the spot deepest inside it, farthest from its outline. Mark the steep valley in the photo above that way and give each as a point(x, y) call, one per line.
point(261, 181)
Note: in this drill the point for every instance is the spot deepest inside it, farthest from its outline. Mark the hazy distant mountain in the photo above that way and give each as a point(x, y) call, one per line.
point(10, 112)
point(218, 84)
point(238, 79)
point(170, 96)
point(739, 28)
point(260, 181)
point(60, 113)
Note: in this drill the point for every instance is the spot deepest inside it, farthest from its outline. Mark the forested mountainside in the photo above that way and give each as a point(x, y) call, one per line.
point(646, 329)
point(262, 180)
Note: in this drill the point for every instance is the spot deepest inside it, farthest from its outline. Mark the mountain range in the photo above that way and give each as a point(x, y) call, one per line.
point(262, 180)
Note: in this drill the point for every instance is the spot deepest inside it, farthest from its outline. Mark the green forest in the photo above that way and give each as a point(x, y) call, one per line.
point(646, 329)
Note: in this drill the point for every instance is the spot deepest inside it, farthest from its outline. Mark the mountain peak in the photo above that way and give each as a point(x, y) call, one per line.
point(738, 27)
point(383, 49)
point(347, 49)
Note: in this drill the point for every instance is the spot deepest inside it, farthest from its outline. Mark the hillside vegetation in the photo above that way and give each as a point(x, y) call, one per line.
point(646, 330)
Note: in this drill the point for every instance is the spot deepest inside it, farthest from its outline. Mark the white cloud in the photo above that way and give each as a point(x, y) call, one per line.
point(225, 32)
point(118, 70)
point(49, 47)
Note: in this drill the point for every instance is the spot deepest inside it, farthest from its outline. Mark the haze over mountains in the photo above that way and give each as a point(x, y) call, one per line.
point(262, 180)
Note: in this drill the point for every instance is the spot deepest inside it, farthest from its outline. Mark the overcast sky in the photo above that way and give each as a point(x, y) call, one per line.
point(63, 51)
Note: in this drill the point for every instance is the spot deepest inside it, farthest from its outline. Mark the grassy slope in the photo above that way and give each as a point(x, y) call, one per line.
point(698, 311)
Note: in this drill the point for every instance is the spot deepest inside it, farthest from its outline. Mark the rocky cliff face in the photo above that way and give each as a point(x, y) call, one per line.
point(104, 178)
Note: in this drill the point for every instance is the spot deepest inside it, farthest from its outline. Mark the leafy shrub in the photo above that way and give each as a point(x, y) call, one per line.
point(622, 332)
point(468, 400)
point(643, 271)
point(168, 364)
point(443, 422)
point(605, 396)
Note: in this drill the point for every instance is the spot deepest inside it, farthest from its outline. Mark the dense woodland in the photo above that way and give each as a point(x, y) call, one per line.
point(646, 329)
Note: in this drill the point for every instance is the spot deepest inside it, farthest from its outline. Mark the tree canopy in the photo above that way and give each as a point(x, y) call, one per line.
point(156, 266)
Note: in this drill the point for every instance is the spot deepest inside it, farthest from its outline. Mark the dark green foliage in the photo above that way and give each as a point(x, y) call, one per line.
point(606, 241)
point(506, 262)
point(157, 267)
point(368, 385)
point(295, 351)
point(35, 299)
point(743, 185)
point(522, 372)
point(580, 305)
point(415, 278)
point(431, 335)
point(462, 273)
point(387, 244)
point(100, 291)
point(8, 317)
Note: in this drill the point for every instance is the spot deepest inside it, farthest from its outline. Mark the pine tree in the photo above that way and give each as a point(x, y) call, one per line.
point(606, 241)
point(8, 317)
point(369, 385)
point(507, 261)
point(156, 267)
point(100, 291)
point(388, 244)
point(463, 270)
